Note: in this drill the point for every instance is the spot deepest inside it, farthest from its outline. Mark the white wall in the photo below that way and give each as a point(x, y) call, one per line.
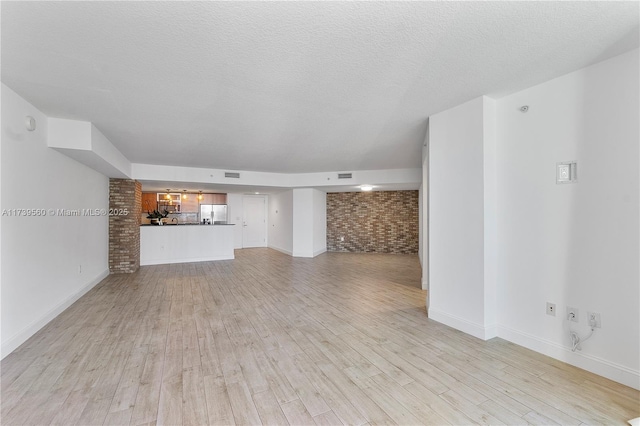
point(456, 219)
point(319, 222)
point(572, 244)
point(143, 172)
point(281, 222)
point(302, 222)
point(490, 194)
point(82, 141)
point(309, 222)
point(41, 255)
point(505, 239)
point(234, 215)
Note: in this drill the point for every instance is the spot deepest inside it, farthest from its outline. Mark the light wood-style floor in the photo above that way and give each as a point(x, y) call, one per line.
point(266, 338)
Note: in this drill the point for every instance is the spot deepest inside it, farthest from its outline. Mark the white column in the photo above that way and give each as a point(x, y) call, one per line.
point(309, 222)
point(424, 216)
point(462, 197)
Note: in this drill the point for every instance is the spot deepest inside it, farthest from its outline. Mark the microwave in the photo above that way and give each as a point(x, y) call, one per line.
point(171, 208)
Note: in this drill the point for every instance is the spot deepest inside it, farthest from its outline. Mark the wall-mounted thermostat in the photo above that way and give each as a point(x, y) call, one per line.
point(30, 123)
point(567, 172)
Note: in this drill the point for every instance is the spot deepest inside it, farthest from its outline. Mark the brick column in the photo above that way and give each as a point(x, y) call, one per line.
point(124, 230)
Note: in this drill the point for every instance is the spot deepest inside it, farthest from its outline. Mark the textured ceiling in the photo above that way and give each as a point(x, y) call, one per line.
point(291, 86)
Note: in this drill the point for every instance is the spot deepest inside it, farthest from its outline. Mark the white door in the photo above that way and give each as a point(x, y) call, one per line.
point(254, 221)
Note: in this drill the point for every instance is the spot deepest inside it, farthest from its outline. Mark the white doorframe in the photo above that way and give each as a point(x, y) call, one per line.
point(426, 194)
point(265, 213)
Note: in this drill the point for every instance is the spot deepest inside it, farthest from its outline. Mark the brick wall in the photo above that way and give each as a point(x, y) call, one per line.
point(124, 230)
point(373, 222)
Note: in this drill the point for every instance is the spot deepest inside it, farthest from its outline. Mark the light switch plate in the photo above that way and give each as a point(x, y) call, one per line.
point(567, 172)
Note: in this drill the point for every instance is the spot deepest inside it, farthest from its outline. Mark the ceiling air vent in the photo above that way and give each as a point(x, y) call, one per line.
point(345, 175)
point(234, 175)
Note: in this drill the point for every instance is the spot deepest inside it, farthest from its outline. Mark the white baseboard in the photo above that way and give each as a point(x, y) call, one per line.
point(309, 254)
point(149, 262)
point(281, 250)
point(602, 367)
point(593, 364)
point(319, 252)
point(23, 335)
point(464, 325)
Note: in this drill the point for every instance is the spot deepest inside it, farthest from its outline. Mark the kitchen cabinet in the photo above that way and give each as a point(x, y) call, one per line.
point(190, 204)
point(219, 199)
point(214, 199)
point(170, 202)
point(149, 202)
point(170, 198)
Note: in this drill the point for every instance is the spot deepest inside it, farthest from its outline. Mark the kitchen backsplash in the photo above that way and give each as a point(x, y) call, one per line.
point(181, 218)
point(373, 222)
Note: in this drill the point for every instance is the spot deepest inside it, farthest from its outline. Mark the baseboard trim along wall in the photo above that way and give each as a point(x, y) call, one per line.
point(474, 329)
point(602, 367)
point(596, 365)
point(318, 252)
point(150, 262)
point(281, 250)
point(15, 341)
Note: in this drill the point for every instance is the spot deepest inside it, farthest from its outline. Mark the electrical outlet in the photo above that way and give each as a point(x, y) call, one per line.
point(593, 318)
point(573, 314)
point(551, 309)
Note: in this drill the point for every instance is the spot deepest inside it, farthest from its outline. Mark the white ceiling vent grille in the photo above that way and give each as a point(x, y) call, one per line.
point(234, 175)
point(345, 175)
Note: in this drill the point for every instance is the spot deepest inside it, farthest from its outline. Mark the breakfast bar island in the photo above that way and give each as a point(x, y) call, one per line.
point(185, 243)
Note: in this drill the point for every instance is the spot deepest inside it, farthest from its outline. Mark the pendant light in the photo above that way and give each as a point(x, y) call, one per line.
point(200, 195)
point(184, 196)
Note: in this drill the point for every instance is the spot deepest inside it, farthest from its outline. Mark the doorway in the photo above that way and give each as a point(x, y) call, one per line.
point(254, 223)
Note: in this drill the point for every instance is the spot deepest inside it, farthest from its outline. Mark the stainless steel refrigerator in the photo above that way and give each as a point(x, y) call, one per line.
point(213, 213)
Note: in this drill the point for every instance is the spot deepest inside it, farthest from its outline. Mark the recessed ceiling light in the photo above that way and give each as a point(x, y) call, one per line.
point(366, 187)
point(257, 193)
